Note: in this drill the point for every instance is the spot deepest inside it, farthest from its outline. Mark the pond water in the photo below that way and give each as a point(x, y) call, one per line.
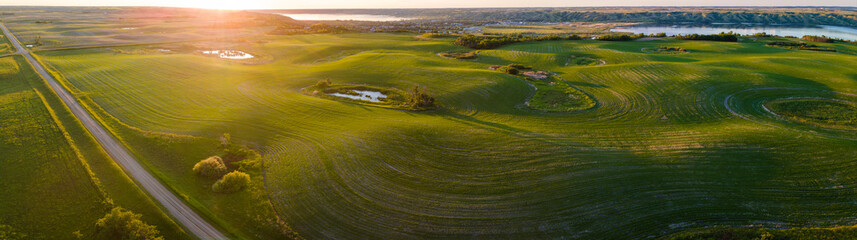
point(846, 33)
point(229, 54)
point(371, 96)
point(334, 17)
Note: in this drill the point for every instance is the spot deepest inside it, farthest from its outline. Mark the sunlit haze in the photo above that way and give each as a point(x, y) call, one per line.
point(321, 4)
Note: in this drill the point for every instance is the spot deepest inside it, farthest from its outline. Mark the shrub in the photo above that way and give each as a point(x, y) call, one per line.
point(323, 83)
point(231, 182)
point(211, 167)
point(418, 98)
point(123, 224)
point(511, 70)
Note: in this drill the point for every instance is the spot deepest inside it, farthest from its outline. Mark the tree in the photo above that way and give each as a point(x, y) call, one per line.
point(231, 182)
point(212, 167)
point(420, 99)
point(123, 224)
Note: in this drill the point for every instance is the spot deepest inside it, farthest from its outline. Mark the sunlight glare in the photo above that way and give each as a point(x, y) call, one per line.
point(224, 4)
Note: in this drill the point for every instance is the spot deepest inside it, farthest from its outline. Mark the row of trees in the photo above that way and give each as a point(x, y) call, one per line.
point(801, 46)
point(722, 37)
point(826, 39)
point(491, 42)
point(669, 17)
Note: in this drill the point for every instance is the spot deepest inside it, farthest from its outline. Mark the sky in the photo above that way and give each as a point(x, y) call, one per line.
point(312, 4)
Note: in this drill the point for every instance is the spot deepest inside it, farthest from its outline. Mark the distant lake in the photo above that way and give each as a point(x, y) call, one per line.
point(846, 33)
point(344, 17)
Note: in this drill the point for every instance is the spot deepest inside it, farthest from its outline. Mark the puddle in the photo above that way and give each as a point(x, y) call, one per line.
point(229, 54)
point(371, 96)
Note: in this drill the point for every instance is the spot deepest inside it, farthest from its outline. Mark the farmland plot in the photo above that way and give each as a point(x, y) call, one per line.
point(676, 142)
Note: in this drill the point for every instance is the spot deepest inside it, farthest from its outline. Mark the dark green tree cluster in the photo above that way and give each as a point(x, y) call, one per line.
point(491, 42)
point(627, 37)
point(761, 35)
point(826, 39)
point(617, 37)
point(125, 225)
point(513, 69)
point(822, 38)
point(419, 98)
point(720, 37)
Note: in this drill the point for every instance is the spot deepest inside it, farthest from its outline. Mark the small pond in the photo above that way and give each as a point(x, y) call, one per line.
point(371, 96)
point(229, 54)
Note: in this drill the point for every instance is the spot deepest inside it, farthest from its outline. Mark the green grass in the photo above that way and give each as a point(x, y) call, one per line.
point(55, 180)
point(835, 233)
point(5, 46)
point(821, 112)
point(661, 153)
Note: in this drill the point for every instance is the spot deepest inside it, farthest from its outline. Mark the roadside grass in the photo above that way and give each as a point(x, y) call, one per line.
point(55, 179)
point(664, 151)
point(5, 45)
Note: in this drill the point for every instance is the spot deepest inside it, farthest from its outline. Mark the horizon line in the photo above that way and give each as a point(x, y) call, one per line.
point(416, 8)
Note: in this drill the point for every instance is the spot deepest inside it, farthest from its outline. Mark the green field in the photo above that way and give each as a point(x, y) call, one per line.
point(676, 141)
point(87, 26)
point(55, 179)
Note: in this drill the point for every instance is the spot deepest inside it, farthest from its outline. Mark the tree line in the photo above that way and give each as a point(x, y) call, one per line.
point(491, 42)
point(666, 17)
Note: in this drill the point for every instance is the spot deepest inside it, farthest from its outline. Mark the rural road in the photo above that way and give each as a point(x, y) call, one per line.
point(178, 209)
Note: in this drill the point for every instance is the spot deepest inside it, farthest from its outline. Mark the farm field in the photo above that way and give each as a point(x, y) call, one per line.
point(674, 142)
point(59, 27)
point(53, 171)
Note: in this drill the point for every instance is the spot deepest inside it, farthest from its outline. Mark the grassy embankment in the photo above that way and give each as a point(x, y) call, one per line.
point(56, 180)
point(663, 152)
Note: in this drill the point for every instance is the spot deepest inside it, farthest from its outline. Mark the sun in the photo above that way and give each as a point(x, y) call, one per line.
point(224, 4)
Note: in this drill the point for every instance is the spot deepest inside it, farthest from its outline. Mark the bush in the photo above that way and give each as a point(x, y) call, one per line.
point(241, 156)
point(211, 167)
point(323, 83)
point(418, 98)
point(231, 182)
point(122, 224)
point(511, 70)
